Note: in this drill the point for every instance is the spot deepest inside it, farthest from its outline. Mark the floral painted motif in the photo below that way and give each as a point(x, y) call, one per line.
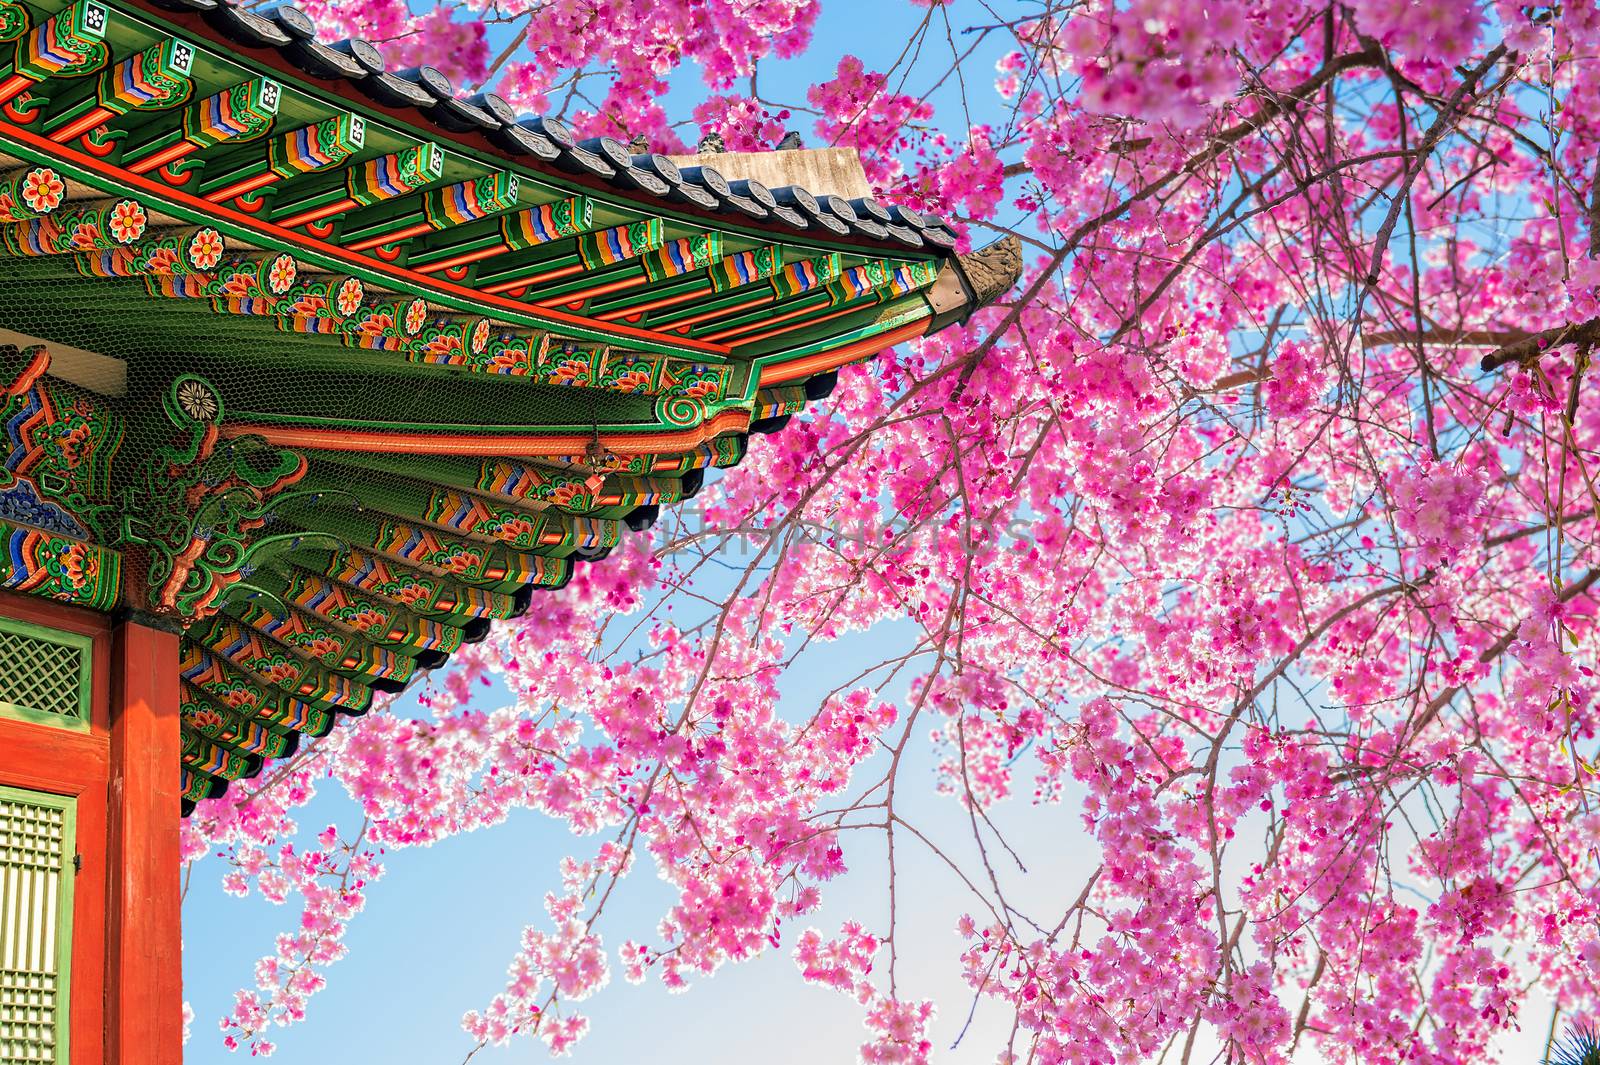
point(416, 316)
point(205, 249)
point(279, 670)
point(198, 401)
point(281, 274)
point(43, 190)
point(319, 644)
point(442, 347)
point(308, 306)
point(162, 260)
point(376, 325)
point(127, 222)
point(351, 293)
point(203, 720)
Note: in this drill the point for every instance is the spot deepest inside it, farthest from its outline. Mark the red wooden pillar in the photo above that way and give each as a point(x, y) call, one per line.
point(144, 972)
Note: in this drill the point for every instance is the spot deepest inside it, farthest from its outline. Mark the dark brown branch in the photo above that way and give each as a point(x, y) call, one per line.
point(1531, 347)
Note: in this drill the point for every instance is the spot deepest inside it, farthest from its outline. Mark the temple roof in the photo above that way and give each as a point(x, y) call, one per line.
point(328, 369)
point(284, 39)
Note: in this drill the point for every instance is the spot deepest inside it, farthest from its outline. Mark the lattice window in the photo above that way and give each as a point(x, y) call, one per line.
point(36, 847)
point(44, 674)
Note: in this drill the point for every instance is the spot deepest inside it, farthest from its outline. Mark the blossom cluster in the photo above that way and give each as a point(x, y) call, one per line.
point(1302, 635)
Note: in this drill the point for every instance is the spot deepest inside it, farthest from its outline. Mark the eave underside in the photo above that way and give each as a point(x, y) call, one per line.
point(337, 390)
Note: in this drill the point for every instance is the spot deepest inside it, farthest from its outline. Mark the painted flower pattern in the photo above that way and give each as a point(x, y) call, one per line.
point(279, 672)
point(205, 250)
point(563, 495)
point(281, 274)
point(571, 372)
point(410, 593)
point(70, 442)
point(350, 296)
point(197, 401)
point(376, 325)
point(416, 316)
point(458, 560)
point(43, 190)
point(363, 619)
point(631, 381)
point(85, 236)
point(480, 336)
point(320, 645)
point(127, 222)
point(509, 362)
point(441, 348)
point(236, 696)
point(203, 720)
point(77, 566)
point(163, 260)
point(513, 529)
point(308, 306)
point(239, 285)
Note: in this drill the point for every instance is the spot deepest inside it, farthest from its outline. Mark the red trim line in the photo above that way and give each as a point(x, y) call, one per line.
point(841, 312)
point(444, 443)
point(83, 125)
point(736, 330)
point(30, 373)
point(13, 85)
point(523, 283)
point(389, 238)
point(721, 312)
point(632, 313)
point(569, 298)
point(316, 214)
point(170, 154)
point(778, 373)
point(207, 208)
point(461, 260)
point(240, 188)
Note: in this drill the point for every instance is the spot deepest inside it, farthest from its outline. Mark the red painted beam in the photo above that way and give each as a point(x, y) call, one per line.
point(144, 976)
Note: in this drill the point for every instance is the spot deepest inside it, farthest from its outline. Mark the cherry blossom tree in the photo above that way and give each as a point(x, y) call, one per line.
point(1251, 530)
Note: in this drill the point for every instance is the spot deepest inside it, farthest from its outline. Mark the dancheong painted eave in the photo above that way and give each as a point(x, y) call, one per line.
point(328, 369)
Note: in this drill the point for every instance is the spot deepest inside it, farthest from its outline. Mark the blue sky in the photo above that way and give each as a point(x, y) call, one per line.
point(440, 927)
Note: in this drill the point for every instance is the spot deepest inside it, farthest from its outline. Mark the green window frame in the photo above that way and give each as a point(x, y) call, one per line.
point(37, 848)
point(44, 676)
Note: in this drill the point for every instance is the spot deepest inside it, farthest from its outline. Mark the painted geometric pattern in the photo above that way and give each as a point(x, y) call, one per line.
point(276, 665)
point(231, 689)
point(309, 584)
point(58, 567)
point(369, 615)
point(419, 591)
point(231, 728)
point(58, 446)
point(325, 644)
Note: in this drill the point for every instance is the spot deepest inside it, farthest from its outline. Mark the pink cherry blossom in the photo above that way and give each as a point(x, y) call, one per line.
point(1248, 538)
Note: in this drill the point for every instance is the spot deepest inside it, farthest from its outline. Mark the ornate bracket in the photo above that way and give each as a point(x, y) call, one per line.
point(201, 503)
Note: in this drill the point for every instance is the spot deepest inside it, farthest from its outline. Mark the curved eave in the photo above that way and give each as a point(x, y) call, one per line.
point(268, 46)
